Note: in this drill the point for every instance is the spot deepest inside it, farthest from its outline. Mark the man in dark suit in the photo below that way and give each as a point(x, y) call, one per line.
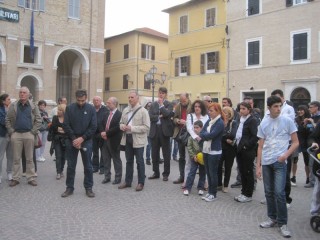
point(161, 130)
point(111, 133)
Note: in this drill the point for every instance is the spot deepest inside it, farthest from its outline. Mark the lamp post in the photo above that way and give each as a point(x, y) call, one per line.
point(149, 77)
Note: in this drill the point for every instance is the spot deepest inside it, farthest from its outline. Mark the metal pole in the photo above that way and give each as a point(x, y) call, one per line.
point(152, 90)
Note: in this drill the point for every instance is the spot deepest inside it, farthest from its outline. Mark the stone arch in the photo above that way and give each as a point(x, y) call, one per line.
point(35, 76)
point(79, 52)
point(300, 96)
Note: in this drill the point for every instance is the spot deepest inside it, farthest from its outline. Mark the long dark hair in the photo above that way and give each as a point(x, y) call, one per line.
point(3, 97)
point(299, 120)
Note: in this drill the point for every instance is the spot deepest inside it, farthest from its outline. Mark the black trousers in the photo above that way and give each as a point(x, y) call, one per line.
point(246, 159)
point(182, 159)
point(157, 142)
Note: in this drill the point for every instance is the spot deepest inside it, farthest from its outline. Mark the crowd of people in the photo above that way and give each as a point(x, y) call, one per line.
point(208, 136)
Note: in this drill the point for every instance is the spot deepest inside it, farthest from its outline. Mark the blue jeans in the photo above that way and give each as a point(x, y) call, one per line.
point(274, 180)
point(130, 154)
point(192, 174)
point(175, 148)
point(72, 157)
point(211, 163)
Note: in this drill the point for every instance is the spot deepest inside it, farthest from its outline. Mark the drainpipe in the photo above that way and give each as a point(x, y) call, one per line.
point(90, 45)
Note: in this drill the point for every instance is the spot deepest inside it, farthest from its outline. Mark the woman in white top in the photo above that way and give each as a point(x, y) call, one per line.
point(198, 112)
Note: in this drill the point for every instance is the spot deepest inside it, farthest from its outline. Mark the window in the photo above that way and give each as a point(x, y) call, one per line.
point(300, 46)
point(125, 81)
point(289, 3)
point(147, 85)
point(37, 5)
point(296, 2)
point(126, 51)
point(210, 17)
point(184, 24)
point(74, 9)
point(108, 55)
point(209, 62)
point(147, 52)
point(25, 53)
point(253, 7)
point(182, 66)
point(254, 52)
point(107, 84)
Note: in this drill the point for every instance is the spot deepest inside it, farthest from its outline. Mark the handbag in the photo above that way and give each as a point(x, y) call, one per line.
point(37, 141)
point(123, 147)
point(183, 134)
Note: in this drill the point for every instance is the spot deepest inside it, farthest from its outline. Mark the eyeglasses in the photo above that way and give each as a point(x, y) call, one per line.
point(209, 101)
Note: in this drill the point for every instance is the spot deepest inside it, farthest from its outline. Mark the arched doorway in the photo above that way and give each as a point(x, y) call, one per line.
point(300, 96)
point(31, 83)
point(72, 69)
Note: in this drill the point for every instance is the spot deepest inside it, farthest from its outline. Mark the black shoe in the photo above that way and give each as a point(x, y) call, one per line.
point(165, 178)
point(95, 170)
point(178, 181)
point(154, 176)
point(106, 180)
point(67, 193)
point(148, 162)
point(101, 172)
point(89, 193)
point(236, 185)
point(116, 182)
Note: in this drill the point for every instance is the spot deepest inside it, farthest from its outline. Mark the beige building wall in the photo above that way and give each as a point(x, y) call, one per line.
point(135, 66)
point(198, 40)
point(273, 26)
point(70, 51)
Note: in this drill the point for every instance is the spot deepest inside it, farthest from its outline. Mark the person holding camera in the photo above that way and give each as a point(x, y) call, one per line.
point(43, 130)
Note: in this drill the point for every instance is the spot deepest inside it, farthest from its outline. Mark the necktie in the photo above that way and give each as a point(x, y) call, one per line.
point(109, 120)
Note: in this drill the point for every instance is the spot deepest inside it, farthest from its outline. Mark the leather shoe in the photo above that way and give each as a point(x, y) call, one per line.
point(90, 193)
point(165, 178)
point(148, 162)
point(154, 176)
point(67, 193)
point(139, 187)
point(14, 183)
point(116, 182)
point(124, 185)
point(33, 183)
point(178, 181)
point(106, 180)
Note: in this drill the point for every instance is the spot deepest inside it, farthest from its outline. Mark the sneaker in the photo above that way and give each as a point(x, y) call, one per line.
point(236, 184)
point(186, 192)
point(42, 159)
point(90, 193)
point(210, 198)
point(67, 193)
point(288, 205)
point(244, 199)
point(58, 176)
point(263, 201)
point(268, 224)
point(237, 197)
point(9, 176)
point(24, 174)
point(225, 189)
point(285, 231)
point(204, 197)
point(309, 185)
point(293, 181)
point(200, 192)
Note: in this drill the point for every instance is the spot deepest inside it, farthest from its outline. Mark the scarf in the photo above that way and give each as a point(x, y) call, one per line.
point(207, 144)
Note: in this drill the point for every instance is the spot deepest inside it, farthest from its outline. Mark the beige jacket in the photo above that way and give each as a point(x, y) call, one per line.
point(140, 125)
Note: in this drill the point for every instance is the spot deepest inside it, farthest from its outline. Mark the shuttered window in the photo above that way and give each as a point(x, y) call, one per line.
point(182, 66)
point(125, 81)
point(253, 53)
point(209, 62)
point(183, 24)
point(36, 5)
point(147, 51)
point(126, 51)
point(108, 55)
point(300, 46)
point(210, 17)
point(107, 84)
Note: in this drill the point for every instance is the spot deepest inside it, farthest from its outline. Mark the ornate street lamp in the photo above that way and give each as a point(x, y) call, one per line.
point(149, 77)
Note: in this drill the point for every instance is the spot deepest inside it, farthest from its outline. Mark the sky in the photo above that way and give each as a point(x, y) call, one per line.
point(126, 15)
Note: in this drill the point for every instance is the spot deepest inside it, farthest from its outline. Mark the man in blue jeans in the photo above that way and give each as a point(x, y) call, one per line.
point(274, 134)
point(80, 124)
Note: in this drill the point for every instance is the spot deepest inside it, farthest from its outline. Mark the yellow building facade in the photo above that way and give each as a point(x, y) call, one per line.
point(128, 57)
point(197, 49)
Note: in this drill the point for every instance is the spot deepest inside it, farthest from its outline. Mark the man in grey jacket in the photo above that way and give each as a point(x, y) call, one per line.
point(23, 121)
point(135, 124)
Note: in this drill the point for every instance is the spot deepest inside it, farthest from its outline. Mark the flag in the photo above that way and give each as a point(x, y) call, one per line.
point(32, 37)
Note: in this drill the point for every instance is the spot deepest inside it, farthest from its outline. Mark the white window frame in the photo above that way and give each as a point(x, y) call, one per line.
point(298, 2)
point(206, 63)
point(73, 15)
point(302, 61)
point(260, 52)
point(40, 4)
point(260, 8)
point(215, 17)
point(179, 24)
point(37, 57)
point(148, 52)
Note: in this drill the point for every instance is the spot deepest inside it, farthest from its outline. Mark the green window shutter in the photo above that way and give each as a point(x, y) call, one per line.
point(176, 67)
point(202, 62)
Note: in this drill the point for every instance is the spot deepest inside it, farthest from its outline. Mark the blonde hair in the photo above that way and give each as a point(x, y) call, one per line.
point(62, 107)
point(229, 112)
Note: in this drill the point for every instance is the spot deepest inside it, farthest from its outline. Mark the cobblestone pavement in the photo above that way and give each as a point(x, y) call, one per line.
point(160, 211)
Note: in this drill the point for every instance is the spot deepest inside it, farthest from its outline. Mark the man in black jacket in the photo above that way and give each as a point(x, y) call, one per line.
point(161, 130)
point(111, 134)
point(80, 124)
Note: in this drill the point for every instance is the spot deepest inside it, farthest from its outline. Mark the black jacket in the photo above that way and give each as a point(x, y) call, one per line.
point(249, 139)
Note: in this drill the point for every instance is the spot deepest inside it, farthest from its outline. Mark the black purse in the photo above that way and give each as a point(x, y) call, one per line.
point(183, 135)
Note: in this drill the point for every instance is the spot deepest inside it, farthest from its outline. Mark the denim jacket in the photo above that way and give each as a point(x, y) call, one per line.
point(215, 134)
